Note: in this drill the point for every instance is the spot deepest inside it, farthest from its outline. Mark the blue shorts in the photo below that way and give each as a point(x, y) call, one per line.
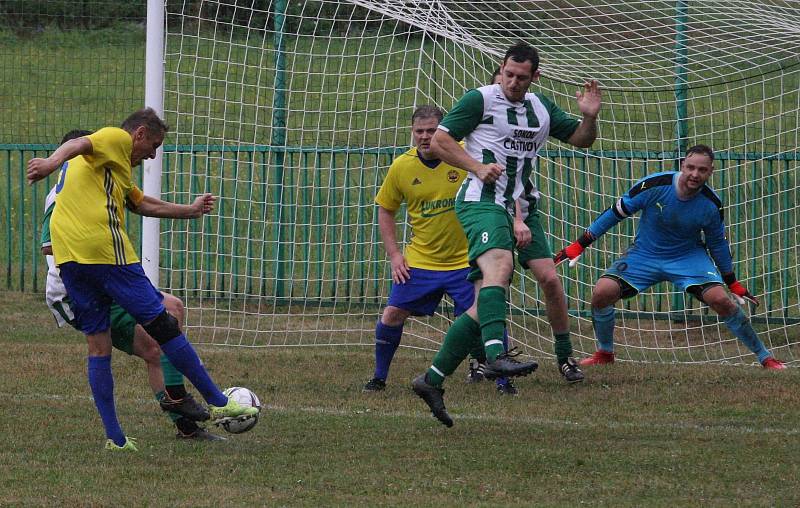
point(642, 270)
point(93, 289)
point(423, 291)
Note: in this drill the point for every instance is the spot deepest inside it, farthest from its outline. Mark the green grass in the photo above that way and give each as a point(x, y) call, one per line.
point(631, 435)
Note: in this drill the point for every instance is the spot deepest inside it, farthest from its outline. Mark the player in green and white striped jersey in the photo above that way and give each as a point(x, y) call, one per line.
point(503, 127)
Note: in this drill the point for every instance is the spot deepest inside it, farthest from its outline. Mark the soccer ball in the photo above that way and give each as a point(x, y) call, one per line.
point(248, 399)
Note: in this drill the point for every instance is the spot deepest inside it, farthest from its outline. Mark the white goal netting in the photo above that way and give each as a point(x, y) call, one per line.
point(292, 112)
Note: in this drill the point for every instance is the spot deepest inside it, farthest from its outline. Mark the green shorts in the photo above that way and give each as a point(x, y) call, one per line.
point(539, 248)
point(123, 327)
point(487, 226)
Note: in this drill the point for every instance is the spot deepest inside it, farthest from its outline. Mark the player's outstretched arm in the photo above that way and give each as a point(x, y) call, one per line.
point(153, 207)
point(38, 168)
point(589, 101)
point(740, 293)
point(447, 149)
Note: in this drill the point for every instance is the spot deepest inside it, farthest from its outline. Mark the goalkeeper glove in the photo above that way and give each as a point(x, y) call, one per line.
point(574, 250)
point(740, 293)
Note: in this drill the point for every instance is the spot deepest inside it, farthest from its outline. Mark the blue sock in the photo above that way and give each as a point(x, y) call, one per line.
point(101, 382)
point(502, 381)
point(603, 322)
point(387, 340)
point(743, 330)
point(183, 356)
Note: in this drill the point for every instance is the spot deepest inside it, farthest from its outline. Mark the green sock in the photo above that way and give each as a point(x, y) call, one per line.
point(463, 336)
point(172, 376)
point(563, 346)
point(492, 318)
point(172, 416)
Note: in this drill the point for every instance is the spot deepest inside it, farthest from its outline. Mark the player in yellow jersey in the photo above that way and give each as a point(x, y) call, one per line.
point(99, 266)
point(435, 261)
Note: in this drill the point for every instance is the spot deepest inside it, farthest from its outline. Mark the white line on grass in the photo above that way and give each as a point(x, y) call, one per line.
point(681, 426)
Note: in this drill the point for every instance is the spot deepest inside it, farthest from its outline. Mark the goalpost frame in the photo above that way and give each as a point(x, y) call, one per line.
point(153, 98)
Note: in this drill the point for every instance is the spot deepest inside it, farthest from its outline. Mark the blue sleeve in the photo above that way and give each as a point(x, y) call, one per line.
point(717, 244)
point(623, 208)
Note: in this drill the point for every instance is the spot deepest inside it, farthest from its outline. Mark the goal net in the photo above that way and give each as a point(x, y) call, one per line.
point(292, 112)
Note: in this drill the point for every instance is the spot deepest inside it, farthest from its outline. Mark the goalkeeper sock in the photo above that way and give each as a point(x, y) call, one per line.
point(492, 319)
point(563, 346)
point(603, 322)
point(740, 326)
point(387, 340)
point(101, 381)
point(463, 336)
point(183, 356)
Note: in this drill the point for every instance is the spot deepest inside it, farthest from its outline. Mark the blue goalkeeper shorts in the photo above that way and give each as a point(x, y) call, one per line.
point(93, 289)
point(643, 269)
point(423, 291)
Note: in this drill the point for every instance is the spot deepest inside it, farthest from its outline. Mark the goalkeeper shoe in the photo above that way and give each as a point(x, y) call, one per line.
point(231, 411)
point(129, 446)
point(374, 385)
point(773, 364)
point(433, 397)
point(599, 358)
point(507, 388)
point(199, 434)
point(506, 366)
point(186, 407)
point(476, 370)
point(569, 369)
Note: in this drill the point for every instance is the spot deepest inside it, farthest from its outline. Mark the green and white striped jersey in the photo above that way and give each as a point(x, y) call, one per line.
point(511, 134)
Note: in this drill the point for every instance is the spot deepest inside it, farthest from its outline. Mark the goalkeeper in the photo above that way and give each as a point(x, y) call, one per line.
point(682, 222)
point(131, 338)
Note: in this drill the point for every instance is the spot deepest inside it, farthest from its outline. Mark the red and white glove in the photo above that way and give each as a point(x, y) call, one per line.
point(740, 293)
point(574, 250)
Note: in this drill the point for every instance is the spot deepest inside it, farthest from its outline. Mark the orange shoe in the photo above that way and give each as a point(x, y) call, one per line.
point(772, 364)
point(599, 358)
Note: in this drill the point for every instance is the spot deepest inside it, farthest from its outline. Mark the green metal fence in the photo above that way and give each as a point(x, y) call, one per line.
point(286, 231)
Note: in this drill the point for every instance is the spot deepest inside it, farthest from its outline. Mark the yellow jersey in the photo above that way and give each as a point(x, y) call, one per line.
point(88, 224)
point(437, 239)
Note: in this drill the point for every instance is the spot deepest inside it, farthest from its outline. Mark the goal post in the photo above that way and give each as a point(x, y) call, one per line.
point(292, 112)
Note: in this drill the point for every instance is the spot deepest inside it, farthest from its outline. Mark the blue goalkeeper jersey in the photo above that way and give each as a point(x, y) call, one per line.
point(669, 227)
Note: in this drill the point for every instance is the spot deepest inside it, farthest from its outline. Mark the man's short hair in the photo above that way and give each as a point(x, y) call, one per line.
point(702, 150)
point(75, 134)
point(523, 52)
point(427, 111)
point(148, 118)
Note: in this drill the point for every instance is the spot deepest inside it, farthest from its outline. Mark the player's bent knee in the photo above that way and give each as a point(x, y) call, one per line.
point(163, 328)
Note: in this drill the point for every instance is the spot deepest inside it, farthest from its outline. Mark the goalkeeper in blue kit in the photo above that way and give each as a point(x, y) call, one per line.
point(682, 222)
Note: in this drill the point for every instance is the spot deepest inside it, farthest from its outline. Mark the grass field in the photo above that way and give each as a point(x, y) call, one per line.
point(632, 435)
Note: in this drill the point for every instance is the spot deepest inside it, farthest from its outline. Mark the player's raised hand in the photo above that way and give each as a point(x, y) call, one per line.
point(589, 99)
point(740, 293)
point(204, 204)
point(573, 251)
point(489, 173)
point(39, 169)
point(400, 269)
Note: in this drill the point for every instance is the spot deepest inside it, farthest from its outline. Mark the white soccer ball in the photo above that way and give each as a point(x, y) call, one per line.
point(248, 399)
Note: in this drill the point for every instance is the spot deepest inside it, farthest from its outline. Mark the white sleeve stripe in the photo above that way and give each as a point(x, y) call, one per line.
point(620, 208)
